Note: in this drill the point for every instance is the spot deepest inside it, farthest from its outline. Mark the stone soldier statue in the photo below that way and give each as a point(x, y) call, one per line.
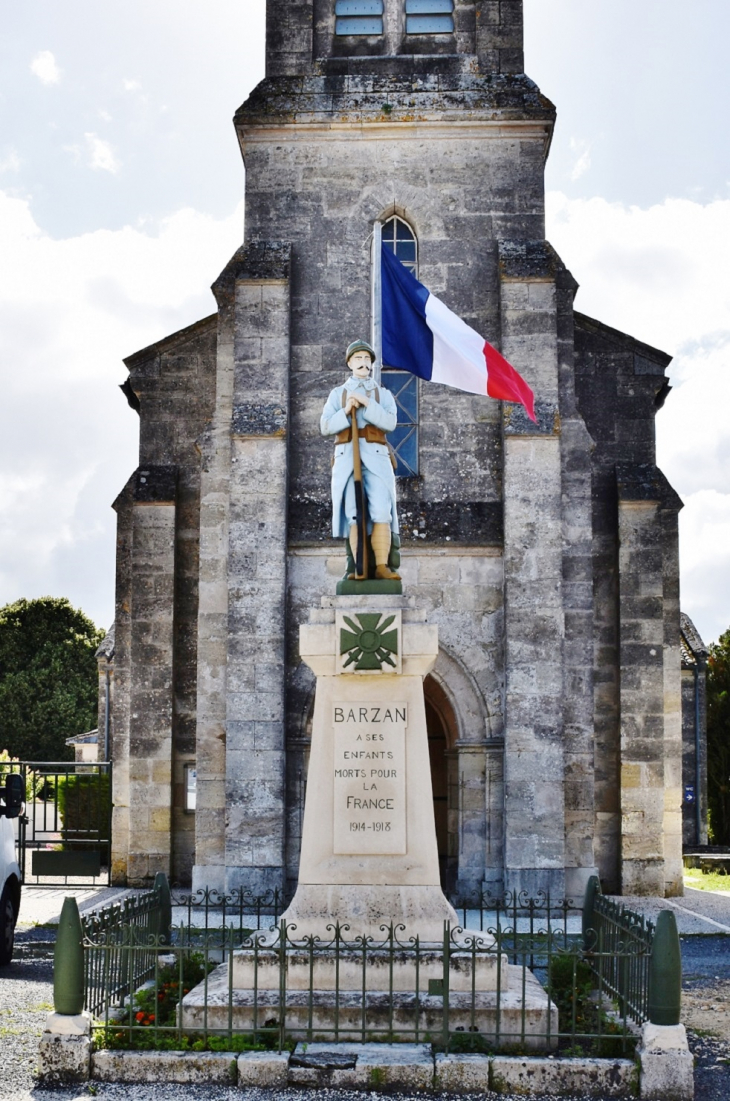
point(376, 416)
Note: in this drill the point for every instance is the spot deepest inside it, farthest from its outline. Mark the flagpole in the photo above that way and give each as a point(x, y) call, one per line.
point(377, 301)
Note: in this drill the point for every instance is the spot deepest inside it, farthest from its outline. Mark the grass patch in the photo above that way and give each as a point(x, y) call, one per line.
point(119, 1038)
point(571, 987)
point(706, 881)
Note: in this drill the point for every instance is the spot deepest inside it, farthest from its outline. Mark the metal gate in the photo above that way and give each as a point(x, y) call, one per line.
point(64, 837)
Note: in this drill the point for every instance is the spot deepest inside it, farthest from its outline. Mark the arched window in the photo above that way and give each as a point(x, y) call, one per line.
point(400, 239)
point(429, 16)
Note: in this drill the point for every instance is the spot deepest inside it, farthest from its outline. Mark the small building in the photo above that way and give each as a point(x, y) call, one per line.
point(85, 747)
point(547, 553)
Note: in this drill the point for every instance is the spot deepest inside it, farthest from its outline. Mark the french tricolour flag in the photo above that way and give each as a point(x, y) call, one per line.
point(422, 336)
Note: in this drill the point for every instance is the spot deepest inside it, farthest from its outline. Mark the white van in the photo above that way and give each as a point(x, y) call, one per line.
point(12, 797)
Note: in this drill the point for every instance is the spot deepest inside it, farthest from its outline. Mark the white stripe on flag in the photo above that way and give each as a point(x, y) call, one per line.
point(458, 351)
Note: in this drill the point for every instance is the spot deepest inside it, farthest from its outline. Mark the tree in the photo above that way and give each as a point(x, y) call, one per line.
point(48, 677)
point(718, 739)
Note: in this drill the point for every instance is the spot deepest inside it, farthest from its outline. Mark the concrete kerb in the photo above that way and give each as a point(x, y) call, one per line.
point(383, 1067)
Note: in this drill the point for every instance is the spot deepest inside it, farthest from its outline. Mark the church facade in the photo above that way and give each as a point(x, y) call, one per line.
point(547, 553)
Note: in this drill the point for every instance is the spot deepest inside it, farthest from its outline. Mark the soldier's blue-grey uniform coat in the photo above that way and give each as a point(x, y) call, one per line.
point(377, 469)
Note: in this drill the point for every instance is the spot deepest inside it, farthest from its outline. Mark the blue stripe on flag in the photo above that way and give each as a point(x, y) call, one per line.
point(407, 339)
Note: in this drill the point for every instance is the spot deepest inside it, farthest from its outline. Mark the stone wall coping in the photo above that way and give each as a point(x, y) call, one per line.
point(399, 1063)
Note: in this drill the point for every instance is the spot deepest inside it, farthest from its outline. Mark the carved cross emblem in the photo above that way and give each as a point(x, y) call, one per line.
point(368, 643)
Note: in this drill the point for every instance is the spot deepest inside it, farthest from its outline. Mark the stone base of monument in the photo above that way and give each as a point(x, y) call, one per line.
point(369, 867)
point(519, 1014)
point(421, 909)
point(386, 969)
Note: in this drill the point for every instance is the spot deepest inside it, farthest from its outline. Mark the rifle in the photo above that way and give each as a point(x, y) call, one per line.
point(361, 557)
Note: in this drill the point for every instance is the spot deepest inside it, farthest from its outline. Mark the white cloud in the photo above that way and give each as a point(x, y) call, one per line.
point(70, 310)
point(583, 163)
point(45, 68)
point(101, 155)
point(661, 274)
point(131, 86)
point(11, 162)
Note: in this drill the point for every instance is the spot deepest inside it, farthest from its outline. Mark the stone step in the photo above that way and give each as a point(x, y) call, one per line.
point(321, 1015)
point(383, 971)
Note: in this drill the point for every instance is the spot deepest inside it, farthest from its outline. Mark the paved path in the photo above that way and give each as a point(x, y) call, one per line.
point(697, 912)
point(42, 905)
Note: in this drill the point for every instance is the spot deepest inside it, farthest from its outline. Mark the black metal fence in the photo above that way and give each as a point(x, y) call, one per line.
point(529, 974)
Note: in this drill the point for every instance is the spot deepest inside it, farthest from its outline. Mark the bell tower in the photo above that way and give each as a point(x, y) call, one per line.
point(417, 110)
point(307, 36)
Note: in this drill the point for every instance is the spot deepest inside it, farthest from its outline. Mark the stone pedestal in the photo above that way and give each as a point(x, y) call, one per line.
point(369, 862)
point(667, 1065)
point(65, 1049)
point(369, 853)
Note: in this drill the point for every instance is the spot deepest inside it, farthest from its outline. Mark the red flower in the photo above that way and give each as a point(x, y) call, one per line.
point(139, 1016)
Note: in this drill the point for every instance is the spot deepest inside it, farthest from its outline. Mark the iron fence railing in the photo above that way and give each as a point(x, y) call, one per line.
point(129, 935)
point(618, 948)
point(529, 974)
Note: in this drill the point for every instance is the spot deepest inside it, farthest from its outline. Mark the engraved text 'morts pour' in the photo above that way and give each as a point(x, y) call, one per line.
point(370, 778)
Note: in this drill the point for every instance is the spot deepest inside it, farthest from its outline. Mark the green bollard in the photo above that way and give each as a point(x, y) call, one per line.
point(593, 888)
point(68, 962)
point(165, 911)
point(665, 972)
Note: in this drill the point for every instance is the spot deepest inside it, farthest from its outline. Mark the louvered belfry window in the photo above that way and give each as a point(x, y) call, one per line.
point(358, 17)
point(429, 16)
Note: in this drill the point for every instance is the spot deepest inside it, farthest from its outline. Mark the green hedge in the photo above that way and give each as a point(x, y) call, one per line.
point(84, 806)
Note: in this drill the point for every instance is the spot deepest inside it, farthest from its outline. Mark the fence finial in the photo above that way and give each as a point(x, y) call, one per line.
point(68, 961)
point(665, 972)
point(164, 913)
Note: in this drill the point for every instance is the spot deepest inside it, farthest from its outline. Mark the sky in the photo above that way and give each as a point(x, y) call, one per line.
point(121, 199)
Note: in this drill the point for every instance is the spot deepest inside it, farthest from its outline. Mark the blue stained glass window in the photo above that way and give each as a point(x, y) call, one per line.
point(404, 439)
point(400, 239)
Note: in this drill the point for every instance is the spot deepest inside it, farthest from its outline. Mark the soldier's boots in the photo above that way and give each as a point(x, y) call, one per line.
point(380, 540)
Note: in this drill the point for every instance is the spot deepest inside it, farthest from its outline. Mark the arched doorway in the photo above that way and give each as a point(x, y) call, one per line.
point(442, 734)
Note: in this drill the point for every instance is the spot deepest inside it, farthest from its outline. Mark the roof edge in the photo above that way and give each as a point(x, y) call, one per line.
point(137, 358)
point(582, 321)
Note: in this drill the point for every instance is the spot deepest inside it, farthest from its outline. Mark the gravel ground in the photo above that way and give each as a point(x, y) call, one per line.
point(26, 995)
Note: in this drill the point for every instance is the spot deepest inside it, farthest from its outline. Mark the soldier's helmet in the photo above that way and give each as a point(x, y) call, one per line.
point(359, 346)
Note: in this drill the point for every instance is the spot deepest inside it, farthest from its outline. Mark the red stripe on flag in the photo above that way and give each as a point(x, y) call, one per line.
point(504, 383)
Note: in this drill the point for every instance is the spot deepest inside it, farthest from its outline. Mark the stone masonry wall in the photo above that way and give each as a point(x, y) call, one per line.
point(257, 540)
point(534, 618)
point(300, 33)
point(328, 195)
